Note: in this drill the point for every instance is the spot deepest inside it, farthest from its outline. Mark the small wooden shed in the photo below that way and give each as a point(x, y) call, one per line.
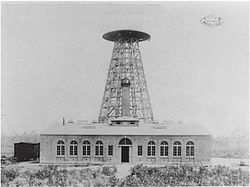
point(25, 151)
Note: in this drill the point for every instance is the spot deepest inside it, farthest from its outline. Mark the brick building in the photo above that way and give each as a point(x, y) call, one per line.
point(125, 140)
point(126, 131)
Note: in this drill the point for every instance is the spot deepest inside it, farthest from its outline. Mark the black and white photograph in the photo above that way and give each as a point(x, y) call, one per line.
point(124, 93)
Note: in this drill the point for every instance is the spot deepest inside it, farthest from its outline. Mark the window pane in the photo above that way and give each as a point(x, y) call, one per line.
point(192, 151)
point(58, 150)
point(190, 143)
point(96, 150)
point(75, 150)
point(126, 141)
point(110, 150)
point(162, 151)
point(166, 150)
point(88, 150)
point(174, 151)
point(101, 150)
point(63, 150)
point(71, 150)
point(86, 142)
point(187, 151)
point(151, 143)
point(73, 142)
point(179, 150)
point(153, 150)
point(84, 150)
point(139, 150)
point(149, 150)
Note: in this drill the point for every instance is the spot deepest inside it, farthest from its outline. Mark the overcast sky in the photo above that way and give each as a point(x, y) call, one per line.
point(55, 62)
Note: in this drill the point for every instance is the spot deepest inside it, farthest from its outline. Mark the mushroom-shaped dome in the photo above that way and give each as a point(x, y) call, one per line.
point(125, 35)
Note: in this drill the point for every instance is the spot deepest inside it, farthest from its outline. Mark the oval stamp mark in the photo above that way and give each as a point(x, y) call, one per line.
point(212, 21)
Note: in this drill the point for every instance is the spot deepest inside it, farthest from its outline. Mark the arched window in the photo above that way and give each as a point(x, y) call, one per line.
point(86, 148)
point(73, 148)
point(60, 149)
point(177, 149)
point(164, 148)
point(125, 141)
point(190, 149)
point(99, 148)
point(151, 148)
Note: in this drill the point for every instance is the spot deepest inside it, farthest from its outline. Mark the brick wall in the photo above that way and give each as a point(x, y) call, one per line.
point(202, 147)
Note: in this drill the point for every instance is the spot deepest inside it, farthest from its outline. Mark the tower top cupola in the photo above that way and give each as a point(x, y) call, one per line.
point(125, 82)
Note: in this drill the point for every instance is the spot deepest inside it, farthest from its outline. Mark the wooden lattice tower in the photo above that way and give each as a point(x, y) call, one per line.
point(126, 64)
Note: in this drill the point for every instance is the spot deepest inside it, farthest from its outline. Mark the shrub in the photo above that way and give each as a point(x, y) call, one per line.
point(140, 175)
point(131, 180)
point(109, 170)
point(38, 182)
point(113, 181)
point(8, 174)
point(60, 178)
point(186, 175)
point(101, 181)
point(19, 182)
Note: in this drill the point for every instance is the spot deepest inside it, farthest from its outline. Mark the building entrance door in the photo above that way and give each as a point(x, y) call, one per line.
point(125, 153)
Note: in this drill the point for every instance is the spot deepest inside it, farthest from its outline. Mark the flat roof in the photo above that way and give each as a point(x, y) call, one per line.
point(27, 143)
point(125, 118)
point(142, 129)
